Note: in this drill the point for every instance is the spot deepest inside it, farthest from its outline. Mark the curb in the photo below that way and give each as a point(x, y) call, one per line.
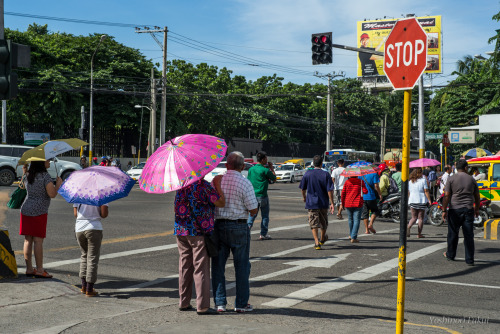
point(491, 229)
point(8, 266)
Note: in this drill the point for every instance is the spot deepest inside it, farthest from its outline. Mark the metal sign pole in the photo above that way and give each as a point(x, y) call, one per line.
point(400, 318)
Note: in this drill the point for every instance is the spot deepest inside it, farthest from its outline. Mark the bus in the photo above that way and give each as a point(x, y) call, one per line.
point(349, 155)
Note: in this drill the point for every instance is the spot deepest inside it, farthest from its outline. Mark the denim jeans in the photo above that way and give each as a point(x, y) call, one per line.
point(233, 237)
point(264, 212)
point(461, 218)
point(354, 216)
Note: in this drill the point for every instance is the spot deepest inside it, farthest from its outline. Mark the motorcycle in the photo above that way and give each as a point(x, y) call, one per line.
point(435, 215)
point(390, 207)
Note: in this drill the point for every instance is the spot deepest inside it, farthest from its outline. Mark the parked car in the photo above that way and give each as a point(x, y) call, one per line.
point(221, 169)
point(10, 171)
point(136, 171)
point(289, 173)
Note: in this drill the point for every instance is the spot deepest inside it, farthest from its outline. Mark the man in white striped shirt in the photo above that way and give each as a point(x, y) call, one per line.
point(233, 234)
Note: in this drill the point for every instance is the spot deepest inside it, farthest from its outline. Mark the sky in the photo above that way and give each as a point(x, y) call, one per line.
point(262, 37)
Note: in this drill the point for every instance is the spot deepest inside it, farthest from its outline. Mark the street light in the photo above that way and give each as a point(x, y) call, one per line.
point(91, 114)
point(137, 106)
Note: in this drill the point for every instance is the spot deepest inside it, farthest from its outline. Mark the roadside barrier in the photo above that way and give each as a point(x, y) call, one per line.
point(8, 266)
point(491, 229)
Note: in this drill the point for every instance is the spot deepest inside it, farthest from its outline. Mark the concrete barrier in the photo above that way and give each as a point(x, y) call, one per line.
point(8, 266)
point(491, 229)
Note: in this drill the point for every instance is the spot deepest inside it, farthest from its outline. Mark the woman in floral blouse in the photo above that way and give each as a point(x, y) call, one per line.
point(194, 216)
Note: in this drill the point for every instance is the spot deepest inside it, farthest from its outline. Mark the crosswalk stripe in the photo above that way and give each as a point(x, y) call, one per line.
point(299, 296)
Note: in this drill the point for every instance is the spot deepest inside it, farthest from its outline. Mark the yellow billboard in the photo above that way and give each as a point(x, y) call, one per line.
point(372, 35)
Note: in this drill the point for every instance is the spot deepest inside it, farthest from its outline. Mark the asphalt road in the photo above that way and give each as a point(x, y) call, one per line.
point(295, 289)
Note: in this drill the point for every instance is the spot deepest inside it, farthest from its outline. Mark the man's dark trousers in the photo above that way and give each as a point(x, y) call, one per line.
point(461, 218)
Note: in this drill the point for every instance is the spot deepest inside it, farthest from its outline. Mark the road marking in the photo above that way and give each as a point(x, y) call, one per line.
point(148, 235)
point(110, 241)
point(150, 249)
point(451, 331)
point(321, 262)
point(256, 259)
point(299, 296)
point(450, 283)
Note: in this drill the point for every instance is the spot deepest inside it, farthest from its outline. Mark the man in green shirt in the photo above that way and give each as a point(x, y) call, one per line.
point(260, 175)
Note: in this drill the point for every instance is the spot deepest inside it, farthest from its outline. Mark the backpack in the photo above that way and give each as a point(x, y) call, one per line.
point(393, 187)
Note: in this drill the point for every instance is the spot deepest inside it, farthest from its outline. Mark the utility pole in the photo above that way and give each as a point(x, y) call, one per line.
point(163, 89)
point(152, 121)
point(421, 118)
point(383, 132)
point(329, 112)
point(328, 117)
point(163, 112)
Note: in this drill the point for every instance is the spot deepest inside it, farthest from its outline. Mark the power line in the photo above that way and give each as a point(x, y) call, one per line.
point(63, 19)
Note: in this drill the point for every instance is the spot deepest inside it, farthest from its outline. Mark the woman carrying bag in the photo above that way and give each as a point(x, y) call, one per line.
point(40, 189)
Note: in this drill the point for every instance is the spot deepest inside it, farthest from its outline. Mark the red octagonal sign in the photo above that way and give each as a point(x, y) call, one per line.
point(405, 56)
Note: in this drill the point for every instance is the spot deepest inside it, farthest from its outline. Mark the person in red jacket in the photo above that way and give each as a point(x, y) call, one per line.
point(352, 201)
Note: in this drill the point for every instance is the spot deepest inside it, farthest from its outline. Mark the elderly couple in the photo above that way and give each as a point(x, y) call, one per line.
point(195, 210)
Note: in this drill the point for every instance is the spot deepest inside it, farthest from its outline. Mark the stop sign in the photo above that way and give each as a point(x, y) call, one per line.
point(405, 56)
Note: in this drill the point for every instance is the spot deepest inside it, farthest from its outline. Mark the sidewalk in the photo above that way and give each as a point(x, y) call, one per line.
point(30, 305)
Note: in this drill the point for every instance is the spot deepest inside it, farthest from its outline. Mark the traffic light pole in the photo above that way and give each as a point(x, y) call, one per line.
point(352, 48)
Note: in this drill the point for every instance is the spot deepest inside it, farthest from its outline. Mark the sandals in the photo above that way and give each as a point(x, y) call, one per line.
point(45, 274)
point(339, 216)
point(420, 236)
point(187, 308)
point(31, 274)
point(371, 229)
point(317, 247)
point(322, 242)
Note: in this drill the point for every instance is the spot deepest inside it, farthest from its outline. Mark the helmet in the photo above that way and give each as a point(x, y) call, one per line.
point(104, 158)
point(95, 158)
point(83, 156)
point(381, 168)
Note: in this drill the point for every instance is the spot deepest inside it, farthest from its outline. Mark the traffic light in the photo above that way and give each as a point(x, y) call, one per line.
point(321, 48)
point(12, 55)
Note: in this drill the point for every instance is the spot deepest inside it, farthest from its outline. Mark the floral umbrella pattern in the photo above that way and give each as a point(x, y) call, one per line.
point(358, 169)
point(96, 185)
point(181, 161)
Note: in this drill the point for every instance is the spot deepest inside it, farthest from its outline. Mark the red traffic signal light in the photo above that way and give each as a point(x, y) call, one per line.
point(321, 48)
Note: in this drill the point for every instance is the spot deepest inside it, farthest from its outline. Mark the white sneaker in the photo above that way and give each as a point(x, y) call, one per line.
point(248, 308)
point(265, 237)
point(221, 308)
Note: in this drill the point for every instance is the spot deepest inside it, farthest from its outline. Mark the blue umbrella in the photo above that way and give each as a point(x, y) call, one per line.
point(476, 152)
point(96, 185)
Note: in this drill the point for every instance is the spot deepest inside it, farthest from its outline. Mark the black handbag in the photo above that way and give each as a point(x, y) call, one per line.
point(211, 244)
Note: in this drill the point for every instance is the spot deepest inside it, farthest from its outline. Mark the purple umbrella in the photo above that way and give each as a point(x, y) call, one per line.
point(96, 185)
point(424, 163)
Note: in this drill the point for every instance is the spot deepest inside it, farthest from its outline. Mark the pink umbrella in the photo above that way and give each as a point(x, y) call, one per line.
point(180, 162)
point(424, 163)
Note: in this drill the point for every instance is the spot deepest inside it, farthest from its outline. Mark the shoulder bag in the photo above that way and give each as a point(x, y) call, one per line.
point(18, 196)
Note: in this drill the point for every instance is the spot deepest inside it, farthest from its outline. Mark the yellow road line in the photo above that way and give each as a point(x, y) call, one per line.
point(451, 331)
point(140, 236)
point(111, 241)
